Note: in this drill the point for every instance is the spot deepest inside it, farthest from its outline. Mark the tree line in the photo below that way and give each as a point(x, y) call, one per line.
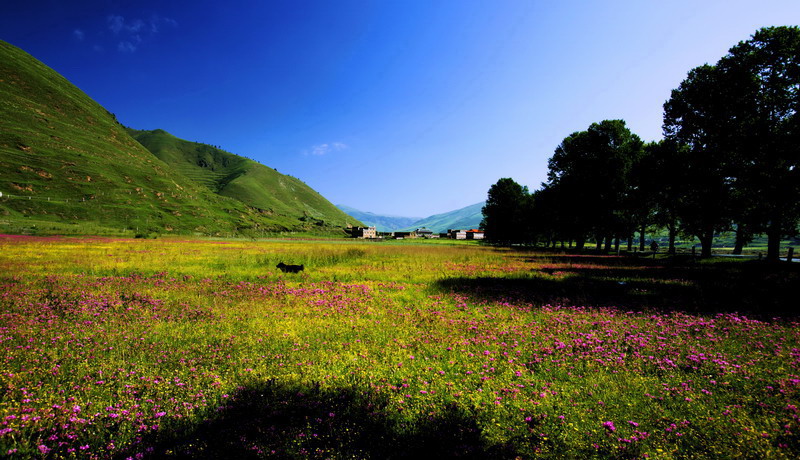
point(729, 160)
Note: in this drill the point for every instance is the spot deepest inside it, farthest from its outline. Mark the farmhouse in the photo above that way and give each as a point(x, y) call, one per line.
point(364, 232)
point(456, 234)
point(474, 234)
point(424, 233)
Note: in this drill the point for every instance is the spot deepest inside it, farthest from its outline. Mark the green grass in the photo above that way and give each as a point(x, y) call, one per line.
point(173, 348)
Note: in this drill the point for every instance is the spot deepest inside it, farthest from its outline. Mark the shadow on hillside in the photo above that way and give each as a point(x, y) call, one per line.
point(279, 421)
point(755, 288)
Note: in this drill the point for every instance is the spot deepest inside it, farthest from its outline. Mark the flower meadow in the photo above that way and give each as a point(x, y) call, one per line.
point(179, 348)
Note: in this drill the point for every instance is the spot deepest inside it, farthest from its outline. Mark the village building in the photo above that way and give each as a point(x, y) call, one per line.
point(456, 234)
point(371, 233)
point(364, 232)
point(424, 233)
point(474, 234)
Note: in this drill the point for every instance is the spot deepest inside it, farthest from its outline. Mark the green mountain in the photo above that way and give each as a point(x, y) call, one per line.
point(67, 166)
point(464, 218)
point(242, 179)
point(381, 223)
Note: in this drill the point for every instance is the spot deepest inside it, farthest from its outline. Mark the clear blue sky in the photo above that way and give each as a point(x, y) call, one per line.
point(396, 107)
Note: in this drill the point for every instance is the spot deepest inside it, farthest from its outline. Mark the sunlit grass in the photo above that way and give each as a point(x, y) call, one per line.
point(159, 348)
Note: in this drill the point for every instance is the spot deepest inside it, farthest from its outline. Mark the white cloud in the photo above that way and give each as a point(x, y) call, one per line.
point(324, 149)
point(135, 26)
point(126, 46)
point(157, 21)
point(116, 23)
point(78, 34)
point(132, 33)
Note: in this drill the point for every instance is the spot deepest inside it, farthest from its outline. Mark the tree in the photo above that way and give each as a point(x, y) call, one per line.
point(663, 183)
point(547, 220)
point(695, 116)
point(739, 120)
point(504, 219)
point(592, 172)
point(764, 75)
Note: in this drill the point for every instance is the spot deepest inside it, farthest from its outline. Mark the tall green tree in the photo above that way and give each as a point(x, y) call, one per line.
point(504, 214)
point(739, 120)
point(696, 116)
point(663, 184)
point(547, 221)
point(764, 77)
point(592, 172)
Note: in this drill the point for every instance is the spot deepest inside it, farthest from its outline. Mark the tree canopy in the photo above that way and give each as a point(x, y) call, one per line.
point(504, 212)
point(730, 159)
point(739, 121)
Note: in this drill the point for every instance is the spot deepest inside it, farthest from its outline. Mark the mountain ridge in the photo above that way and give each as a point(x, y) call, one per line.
point(463, 218)
point(383, 223)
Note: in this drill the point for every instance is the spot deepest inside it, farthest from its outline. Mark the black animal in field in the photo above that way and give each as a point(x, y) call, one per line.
point(290, 268)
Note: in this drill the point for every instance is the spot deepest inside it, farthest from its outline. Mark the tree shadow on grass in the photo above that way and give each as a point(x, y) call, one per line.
point(754, 288)
point(281, 421)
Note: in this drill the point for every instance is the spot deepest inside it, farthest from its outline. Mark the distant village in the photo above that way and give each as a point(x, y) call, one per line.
point(371, 233)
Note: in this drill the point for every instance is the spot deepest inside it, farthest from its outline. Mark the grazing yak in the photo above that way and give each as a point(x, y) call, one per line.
point(290, 268)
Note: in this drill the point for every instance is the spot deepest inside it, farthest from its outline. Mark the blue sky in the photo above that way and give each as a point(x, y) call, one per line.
point(397, 107)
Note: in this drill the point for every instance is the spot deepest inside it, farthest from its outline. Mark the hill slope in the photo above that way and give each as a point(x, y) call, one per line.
point(242, 179)
point(464, 218)
point(66, 165)
point(382, 223)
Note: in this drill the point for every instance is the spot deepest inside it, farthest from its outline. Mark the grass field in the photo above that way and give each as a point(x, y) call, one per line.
point(116, 348)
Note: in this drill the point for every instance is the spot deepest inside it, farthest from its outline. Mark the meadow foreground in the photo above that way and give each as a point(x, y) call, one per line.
point(133, 348)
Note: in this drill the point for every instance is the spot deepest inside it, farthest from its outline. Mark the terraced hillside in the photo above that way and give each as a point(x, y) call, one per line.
point(245, 180)
point(67, 165)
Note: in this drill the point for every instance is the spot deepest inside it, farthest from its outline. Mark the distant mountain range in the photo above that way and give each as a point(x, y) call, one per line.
point(66, 164)
point(464, 218)
point(381, 223)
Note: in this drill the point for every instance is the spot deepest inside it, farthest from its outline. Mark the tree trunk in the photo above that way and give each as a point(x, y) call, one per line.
point(579, 243)
point(630, 242)
point(737, 248)
point(672, 232)
point(599, 240)
point(741, 239)
point(641, 238)
point(616, 244)
point(773, 242)
point(706, 241)
point(608, 245)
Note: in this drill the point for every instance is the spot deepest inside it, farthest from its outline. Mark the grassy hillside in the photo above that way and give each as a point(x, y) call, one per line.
point(465, 218)
point(382, 223)
point(67, 166)
point(242, 179)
